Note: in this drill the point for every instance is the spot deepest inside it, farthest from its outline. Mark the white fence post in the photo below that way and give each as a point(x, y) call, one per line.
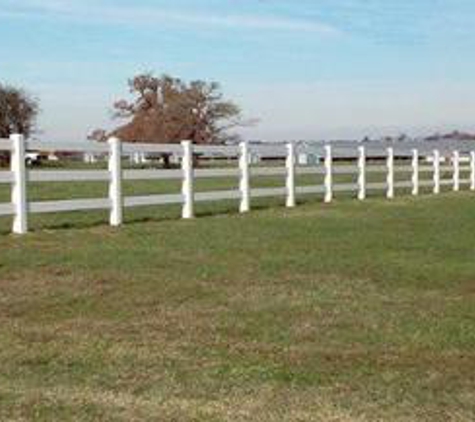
point(456, 167)
point(187, 188)
point(115, 184)
point(436, 171)
point(390, 176)
point(472, 170)
point(19, 196)
point(245, 178)
point(290, 181)
point(328, 174)
point(415, 172)
point(361, 173)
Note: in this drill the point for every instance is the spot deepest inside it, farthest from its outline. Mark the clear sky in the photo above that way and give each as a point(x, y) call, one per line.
point(305, 68)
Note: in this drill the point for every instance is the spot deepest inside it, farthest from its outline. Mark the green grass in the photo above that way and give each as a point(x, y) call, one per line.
point(342, 312)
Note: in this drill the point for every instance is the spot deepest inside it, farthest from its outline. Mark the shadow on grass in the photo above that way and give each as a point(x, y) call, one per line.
point(137, 216)
point(168, 213)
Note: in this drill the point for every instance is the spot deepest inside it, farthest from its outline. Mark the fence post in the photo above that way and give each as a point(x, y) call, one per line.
point(456, 166)
point(436, 171)
point(472, 170)
point(290, 182)
point(390, 177)
point(328, 174)
point(361, 173)
point(244, 181)
point(415, 172)
point(19, 195)
point(187, 187)
point(115, 184)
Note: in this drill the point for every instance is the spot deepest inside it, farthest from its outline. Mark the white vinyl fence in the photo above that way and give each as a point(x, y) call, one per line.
point(422, 165)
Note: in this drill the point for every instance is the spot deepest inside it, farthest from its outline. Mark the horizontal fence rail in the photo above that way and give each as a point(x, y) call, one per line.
point(69, 205)
point(409, 165)
point(68, 176)
point(69, 147)
point(5, 144)
point(152, 174)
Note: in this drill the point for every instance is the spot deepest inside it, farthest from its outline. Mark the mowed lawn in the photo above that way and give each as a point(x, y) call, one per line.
point(343, 312)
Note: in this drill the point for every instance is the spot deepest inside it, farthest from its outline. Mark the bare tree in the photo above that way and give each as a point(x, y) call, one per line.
point(99, 135)
point(211, 117)
point(18, 111)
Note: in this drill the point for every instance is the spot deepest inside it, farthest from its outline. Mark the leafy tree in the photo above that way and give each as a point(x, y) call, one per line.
point(167, 110)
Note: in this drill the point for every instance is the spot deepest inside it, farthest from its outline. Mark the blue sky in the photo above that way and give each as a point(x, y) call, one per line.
point(306, 69)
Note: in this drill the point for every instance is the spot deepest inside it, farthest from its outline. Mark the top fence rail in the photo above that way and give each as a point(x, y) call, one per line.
point(68, 147)
point(129, 148)
point(341, 149)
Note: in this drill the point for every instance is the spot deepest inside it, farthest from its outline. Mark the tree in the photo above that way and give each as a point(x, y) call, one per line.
point(168, 110)
point(210, 116)
point(18, 111)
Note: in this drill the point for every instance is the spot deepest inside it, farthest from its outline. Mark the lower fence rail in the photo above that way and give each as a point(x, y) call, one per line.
point(44, 207)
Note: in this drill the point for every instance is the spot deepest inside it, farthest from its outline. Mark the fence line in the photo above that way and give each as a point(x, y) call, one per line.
point(364, 162)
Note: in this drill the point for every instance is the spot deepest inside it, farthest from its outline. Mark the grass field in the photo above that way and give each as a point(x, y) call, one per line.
point(352, 311)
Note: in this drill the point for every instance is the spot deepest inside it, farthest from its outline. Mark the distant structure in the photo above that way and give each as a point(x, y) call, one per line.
point(452, 136)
